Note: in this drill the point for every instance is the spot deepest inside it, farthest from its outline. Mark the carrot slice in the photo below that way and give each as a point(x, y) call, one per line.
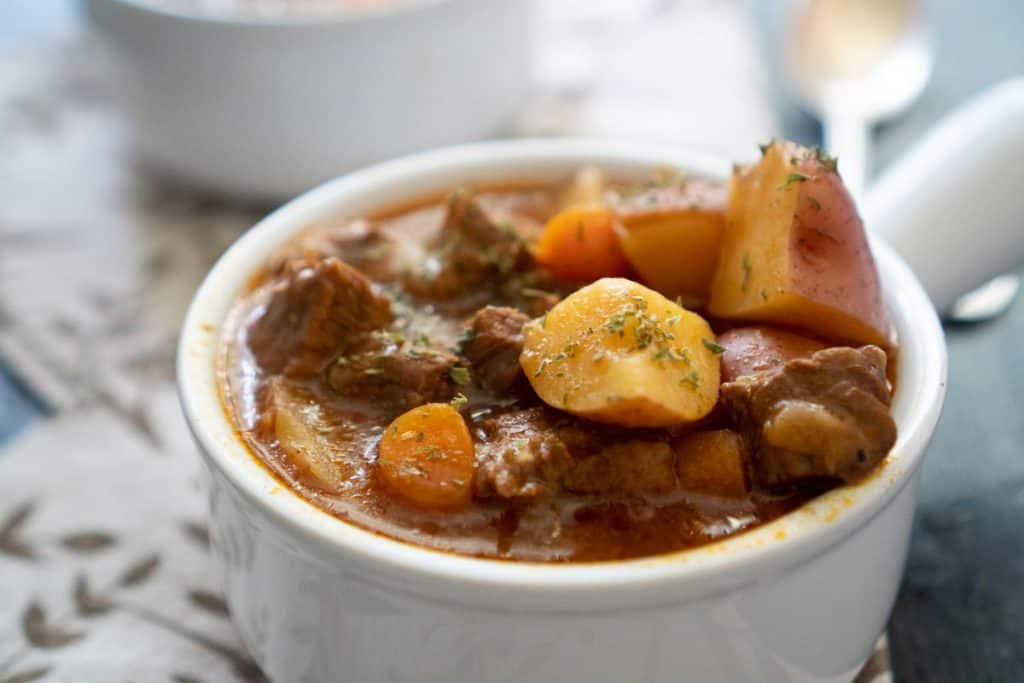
point(426, 456)
point(581, 244)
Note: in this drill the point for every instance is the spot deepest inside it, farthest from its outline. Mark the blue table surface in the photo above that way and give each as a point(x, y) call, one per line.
point(960, 613)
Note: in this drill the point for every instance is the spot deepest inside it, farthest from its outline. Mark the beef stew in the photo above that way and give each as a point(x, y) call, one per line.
point(492, 374)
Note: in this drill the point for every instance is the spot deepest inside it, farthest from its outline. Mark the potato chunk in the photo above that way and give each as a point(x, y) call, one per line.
point(749, 350)
point(616, 351)
point(672, 235)
point(794, 251)
point(713, 463)
point(427, 457)
point(306, 438)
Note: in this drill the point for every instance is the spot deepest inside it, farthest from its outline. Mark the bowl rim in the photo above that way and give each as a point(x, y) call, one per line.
point(399, 8)
point(791, 539)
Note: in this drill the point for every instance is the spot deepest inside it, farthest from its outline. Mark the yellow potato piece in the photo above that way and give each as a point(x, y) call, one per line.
point(616, 351)
point(672, 235)
point(713, 463)
point(306, 439)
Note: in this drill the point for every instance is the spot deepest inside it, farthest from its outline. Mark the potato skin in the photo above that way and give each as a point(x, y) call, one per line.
point(794, 251)
point(672, 236)
point(618, 352)
point(749, 350)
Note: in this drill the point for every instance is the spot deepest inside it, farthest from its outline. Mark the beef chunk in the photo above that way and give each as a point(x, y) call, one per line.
point(520, 455)
point(315, 310)
point(537, 451)
point(493, 345)
point(826, 416)
point(358, 242)
point(476, 247)
point(626, 467)
point(381, 370)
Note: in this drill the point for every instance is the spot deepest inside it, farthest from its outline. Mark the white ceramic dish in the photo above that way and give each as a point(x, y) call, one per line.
point(270, 108)
point(800, 599)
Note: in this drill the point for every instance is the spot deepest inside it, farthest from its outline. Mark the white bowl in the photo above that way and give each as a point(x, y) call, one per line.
point(271, 108)
point(802, 598)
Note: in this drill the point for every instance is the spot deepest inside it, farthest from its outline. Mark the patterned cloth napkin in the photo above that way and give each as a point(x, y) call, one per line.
point(105, 573)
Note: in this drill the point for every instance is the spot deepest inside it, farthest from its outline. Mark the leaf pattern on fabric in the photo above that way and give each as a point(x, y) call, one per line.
point(88, 541)
point(186, 678)
point(198, 533)
point(88, 603)
point(209, 602)
point(140, 572)
point(28, 675)
point(10, 541)
point(43, 634)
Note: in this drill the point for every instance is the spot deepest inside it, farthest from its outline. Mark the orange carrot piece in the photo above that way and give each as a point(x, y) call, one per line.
point(581, 244)
point(426, 456)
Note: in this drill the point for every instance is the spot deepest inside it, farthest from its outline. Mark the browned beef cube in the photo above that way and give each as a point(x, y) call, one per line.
point(826, 416)
point(494, 342)
point(315, 310)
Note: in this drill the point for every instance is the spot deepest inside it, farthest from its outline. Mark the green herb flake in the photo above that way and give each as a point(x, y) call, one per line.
point(793, 178)
point(711, 346)
point(460, 376)
point(830, 162)
point(544, 321)
point(746, 271)
point(423, 340)
point(692, 380)
point(419, 436)
point(764, 294)
point(767, 146)
point(457, 402)
point(815, 204)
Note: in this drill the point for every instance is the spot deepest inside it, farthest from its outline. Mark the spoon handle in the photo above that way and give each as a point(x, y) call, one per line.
point(953, 206)
point(846, 137)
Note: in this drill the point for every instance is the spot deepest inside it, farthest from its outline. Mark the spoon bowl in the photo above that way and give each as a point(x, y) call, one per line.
point(855, 63)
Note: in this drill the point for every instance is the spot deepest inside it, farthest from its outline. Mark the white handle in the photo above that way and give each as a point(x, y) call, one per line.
point(847, 138)
point(954, 206)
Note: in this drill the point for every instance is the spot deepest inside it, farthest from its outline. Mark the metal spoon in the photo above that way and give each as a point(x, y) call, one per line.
point(855, 63)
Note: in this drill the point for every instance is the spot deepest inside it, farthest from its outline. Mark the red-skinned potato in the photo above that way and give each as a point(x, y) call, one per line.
point(794, 251)
point(749, 350)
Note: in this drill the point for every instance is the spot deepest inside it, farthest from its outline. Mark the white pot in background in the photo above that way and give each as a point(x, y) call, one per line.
point(270, 108)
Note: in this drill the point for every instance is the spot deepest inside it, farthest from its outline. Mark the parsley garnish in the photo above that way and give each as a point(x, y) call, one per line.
point(830, 162)
point(746, 271)
point(460, 376)
point(815, 204)
point(792, 178)
point(713, 347)
point(457, 402)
